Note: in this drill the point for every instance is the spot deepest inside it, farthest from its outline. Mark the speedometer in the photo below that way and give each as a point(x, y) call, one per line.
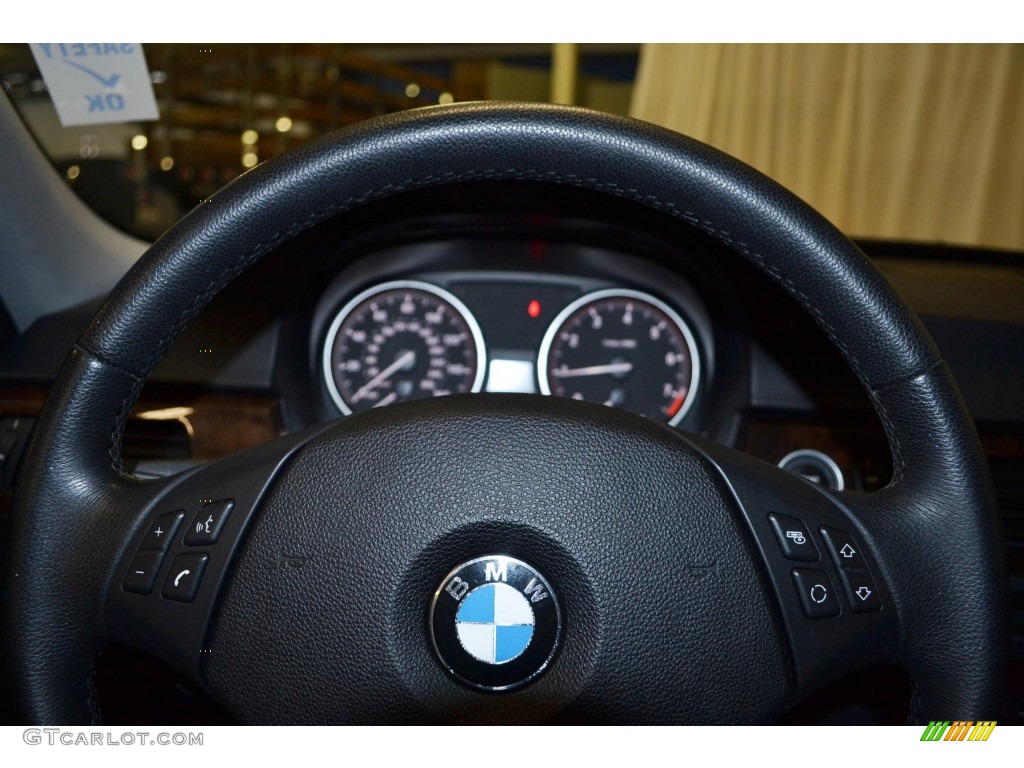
point(622, 348)
point(399, 341)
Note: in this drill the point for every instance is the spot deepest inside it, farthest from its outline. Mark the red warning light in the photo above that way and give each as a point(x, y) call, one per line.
point(533, 308)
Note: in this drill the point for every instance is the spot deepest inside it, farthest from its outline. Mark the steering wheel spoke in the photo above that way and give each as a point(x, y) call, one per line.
point(838, 611)
point(165, 589)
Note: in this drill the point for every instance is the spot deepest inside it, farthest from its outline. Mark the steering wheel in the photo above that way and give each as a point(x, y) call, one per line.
point(682, 596)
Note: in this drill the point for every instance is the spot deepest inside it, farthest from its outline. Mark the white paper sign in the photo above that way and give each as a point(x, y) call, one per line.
point(94, 83)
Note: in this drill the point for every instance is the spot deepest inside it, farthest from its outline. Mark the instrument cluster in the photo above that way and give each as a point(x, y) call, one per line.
point(442, 334)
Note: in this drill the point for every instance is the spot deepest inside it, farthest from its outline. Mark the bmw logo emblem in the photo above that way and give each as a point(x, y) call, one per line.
point(495, 623)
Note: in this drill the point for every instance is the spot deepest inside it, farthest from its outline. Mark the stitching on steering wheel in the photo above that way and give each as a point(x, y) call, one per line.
point(630, 193)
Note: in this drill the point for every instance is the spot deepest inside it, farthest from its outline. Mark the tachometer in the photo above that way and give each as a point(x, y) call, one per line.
point(402, 340)
point(622, 348)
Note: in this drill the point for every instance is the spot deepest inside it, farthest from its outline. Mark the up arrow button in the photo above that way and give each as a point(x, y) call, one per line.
point(844, 549)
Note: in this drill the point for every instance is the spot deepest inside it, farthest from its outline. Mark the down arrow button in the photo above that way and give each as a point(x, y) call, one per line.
point(861, 592)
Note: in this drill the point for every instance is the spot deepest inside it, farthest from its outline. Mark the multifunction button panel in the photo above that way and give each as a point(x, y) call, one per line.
point(181, 582)
point(165, 592)
point(814, 587)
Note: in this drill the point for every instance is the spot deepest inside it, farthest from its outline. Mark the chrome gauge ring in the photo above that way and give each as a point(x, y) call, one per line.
point(622, 348)
point(402, 340)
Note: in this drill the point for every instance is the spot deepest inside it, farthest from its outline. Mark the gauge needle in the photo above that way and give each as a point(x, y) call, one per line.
point(387, 400)
point(592, 370)
point(400, 362)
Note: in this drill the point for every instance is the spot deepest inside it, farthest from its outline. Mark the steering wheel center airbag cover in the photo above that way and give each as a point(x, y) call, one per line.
point(652, 570)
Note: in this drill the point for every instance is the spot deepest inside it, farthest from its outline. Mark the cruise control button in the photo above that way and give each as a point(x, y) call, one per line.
point(817, 595)
point(183, 578)
point(794, 538)
point(208, 523)
point(142, 572)
point(843, 548)
point(162, 530)
point(861, 592)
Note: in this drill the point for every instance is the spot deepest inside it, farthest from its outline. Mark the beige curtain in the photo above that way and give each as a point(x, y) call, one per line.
point(922, 142)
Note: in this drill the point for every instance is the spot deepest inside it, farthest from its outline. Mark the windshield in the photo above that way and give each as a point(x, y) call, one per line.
point(895, 142)
point(225, 108)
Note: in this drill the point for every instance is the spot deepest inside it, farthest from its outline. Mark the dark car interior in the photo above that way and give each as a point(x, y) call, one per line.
point(537, 265)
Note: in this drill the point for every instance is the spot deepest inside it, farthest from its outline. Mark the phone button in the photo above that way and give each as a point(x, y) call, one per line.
point(183, 578)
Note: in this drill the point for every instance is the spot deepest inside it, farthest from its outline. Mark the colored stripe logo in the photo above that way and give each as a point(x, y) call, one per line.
point(958, 730)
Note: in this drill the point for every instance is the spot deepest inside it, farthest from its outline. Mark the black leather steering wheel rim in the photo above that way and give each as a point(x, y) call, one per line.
point(935, 525)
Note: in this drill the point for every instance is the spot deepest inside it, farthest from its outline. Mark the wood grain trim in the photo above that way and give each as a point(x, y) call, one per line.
point(220, 424)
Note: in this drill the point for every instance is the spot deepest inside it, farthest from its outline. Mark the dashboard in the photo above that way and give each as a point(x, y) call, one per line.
point(626, 312)
point(477, 293)
point(472, 291)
